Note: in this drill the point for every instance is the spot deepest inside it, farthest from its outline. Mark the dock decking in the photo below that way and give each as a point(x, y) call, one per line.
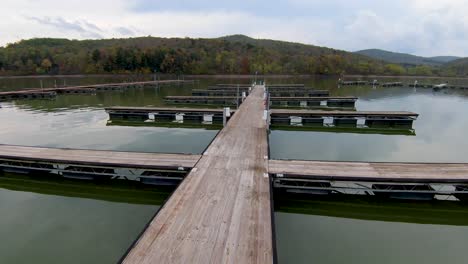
point(168, 114)
point(213, 100)
point(361, 119)
point(47, 93)
point(335, 101)
point(97, 157)
point(221, 212)
point(370, 171)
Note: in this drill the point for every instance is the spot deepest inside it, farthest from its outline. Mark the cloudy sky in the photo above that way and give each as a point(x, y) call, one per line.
point(422, 27)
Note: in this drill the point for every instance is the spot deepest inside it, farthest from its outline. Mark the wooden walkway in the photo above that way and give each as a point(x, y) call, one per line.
point(27, 93)
point(221, 213)
point(97, 157)
point(371, 171)
point(298, 112)
point(164, 109)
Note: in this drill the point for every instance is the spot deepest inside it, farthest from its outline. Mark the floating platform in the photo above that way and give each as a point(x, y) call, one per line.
point(357, 83)
point(48, 93)
point(415, 181)
point(338, 102)
point(94, 164)
point(16, 95)
point(362, 119)
point(224, 92)
point(229, 88)
point(209, 100)
point(285, 85)
point(298, 93)
point(165, 115)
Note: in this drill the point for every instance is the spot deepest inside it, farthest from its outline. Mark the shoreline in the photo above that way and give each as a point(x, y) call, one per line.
point(231, 76)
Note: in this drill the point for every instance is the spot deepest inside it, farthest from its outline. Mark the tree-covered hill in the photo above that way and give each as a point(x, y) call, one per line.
point(406, 59)
point(236, 54)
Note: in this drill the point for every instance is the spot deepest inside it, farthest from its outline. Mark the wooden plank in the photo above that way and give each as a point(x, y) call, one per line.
point(371, 171)
point(41, 90)
point(221, 212)
point(98, 157)
point(342, 113)
point(164, 109)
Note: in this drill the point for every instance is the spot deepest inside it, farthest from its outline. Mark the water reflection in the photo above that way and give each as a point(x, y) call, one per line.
point(356, 230)
point(55, 220)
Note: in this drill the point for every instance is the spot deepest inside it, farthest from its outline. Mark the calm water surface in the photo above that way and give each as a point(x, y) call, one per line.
point(53, 227)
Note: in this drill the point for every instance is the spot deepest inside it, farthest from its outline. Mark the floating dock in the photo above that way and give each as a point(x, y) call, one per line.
point(370, 119)
point(152, 168)
point(48, 93)
point(339, 102)
point(221, 212)
point(420, 181)
point(168, 114)
point(224, 92)
point(16, 95)
point(285, 85)
point(209, 100)
point(299, 93)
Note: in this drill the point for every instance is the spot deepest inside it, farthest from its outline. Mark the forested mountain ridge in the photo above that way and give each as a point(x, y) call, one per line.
point(236, 54)
point(406, 59)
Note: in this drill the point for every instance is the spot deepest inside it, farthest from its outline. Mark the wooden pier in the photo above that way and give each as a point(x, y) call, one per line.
point(371, 119)
point(152, 168)
point(48, 93)
point(221, 213)
point(414, 181)
point(298, 93)
point(337, 101)
point(16, 95)
point(169, 114)
point(223, 92)
point(209, 100)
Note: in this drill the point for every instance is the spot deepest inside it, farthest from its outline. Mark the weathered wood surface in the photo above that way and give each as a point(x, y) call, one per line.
point(163, 109)
point(221, 211)
point(324, 98)
point(123, 84)
point(343, 113)
point(98, 157)
point(371, 171)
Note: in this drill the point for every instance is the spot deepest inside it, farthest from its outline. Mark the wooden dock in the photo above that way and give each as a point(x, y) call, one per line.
point(6, 96)
point(368, 114)
point(169, 114)
point(47, 93)
point(390, 119)
point(222, 92)
point(370, 171)
point(221, 213)
point(210, 100)
point(298, 93)
point(97, 157)
point(336, 101)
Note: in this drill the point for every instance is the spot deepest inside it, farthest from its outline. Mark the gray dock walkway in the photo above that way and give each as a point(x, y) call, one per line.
point(370, 171)
point(46, 93)
point(221, 212)
point(96, 157)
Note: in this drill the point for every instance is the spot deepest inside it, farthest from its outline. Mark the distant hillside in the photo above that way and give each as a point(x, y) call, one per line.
point(406, 59)
point(457, 67)
point(444, 59)
point(235, 54)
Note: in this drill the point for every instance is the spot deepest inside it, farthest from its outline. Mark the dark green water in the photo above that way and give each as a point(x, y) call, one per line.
point(66, 222)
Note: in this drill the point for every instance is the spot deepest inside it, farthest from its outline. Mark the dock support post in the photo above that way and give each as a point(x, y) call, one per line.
point(226, 110)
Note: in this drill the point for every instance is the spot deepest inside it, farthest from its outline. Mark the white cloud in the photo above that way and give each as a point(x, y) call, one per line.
point(425, 27)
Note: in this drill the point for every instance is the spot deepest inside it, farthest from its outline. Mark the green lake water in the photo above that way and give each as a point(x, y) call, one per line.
point(55, 221)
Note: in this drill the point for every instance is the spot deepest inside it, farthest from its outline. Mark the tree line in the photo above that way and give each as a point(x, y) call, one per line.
point(229, 55)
